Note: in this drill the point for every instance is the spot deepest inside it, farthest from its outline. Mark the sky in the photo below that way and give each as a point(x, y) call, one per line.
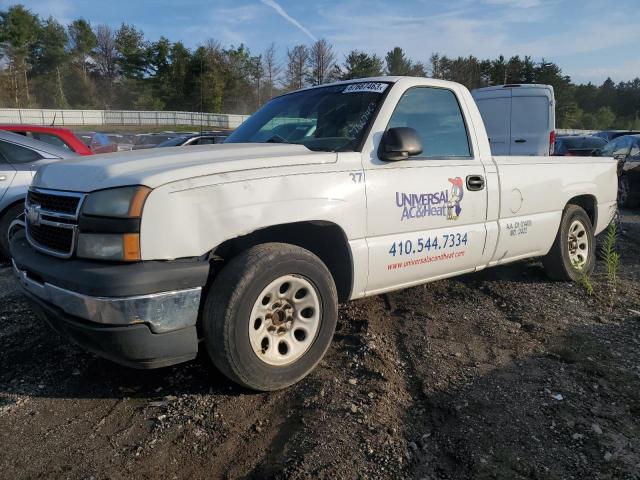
point(589, 39)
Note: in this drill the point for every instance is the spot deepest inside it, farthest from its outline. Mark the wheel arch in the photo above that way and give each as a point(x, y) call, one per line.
point(324, 239)
point(9, 205)
point(589, 204)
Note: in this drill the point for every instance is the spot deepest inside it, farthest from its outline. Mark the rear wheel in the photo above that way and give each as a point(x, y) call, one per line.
point(7, 218)
point(573, 251)
point(270, 315)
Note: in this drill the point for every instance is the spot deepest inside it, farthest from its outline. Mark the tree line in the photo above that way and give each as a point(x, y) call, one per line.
point(49, 65)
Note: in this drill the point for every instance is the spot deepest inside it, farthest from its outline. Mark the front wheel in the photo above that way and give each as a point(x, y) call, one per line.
point(573, 252)
point(6, 220)
point(269, 316)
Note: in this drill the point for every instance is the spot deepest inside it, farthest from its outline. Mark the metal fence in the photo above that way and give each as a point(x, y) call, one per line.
point(118, 117)
point(144, 118)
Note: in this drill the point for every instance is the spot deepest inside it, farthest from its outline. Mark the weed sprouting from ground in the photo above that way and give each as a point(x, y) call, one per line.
point(610, 255)
point(586, 283)
point(611, 259)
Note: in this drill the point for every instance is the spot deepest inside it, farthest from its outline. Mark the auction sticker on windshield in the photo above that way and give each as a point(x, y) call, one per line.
point(376, 87)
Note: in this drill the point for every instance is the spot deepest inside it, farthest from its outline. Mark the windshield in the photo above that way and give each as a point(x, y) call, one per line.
point(618, 147)
point(324, 119)
point(583, 142)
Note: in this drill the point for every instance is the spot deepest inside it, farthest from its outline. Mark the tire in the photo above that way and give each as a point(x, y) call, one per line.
point(574, 240)
point(245, 305)
point(5, 221)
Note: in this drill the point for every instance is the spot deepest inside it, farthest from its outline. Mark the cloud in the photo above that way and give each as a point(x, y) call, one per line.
point(588, 35)
point(460, 30)
point(280, 11)
point(617, 72)
point(514, 3)
point(583, 48)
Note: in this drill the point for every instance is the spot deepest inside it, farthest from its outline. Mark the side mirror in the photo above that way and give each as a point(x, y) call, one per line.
point(400, 143)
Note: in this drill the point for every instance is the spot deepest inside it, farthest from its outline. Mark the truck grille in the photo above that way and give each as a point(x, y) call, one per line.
point(54, 203)
point(51, 220)
point(54, 238)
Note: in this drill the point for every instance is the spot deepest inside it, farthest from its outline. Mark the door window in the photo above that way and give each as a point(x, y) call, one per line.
point(435, 114)
point(529, 115)
point(496, 114)
point(100, 140)
point(18, 154)
point(50, 139)
point(617, 148)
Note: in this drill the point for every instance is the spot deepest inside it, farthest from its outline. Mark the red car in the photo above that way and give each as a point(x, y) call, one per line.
point(60, 137)
point(97, 142)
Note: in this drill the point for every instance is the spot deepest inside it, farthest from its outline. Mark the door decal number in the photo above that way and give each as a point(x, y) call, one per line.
point(356, 177)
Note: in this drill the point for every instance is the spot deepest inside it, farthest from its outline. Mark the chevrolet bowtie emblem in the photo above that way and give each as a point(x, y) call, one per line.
point(33, 214)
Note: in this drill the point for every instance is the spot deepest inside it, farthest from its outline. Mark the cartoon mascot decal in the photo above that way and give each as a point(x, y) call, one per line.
point(457, 192)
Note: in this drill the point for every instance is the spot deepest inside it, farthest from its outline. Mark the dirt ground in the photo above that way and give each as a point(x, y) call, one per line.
point(500, 374)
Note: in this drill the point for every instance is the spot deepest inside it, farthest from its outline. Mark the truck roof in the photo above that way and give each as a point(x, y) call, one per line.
point(514, 85)
point(27, 127)
point(36, 144)
point(385, 79)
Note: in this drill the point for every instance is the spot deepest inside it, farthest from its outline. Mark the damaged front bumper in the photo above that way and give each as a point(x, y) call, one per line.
point(162, 312)
point(117, 311)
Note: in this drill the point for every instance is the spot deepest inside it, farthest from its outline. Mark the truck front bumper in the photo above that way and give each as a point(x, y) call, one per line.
point(147, 324)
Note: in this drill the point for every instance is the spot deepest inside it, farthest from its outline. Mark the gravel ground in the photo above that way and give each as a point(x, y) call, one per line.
point(501, 374)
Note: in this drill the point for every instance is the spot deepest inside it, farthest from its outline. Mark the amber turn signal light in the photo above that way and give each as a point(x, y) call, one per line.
point(131, 247)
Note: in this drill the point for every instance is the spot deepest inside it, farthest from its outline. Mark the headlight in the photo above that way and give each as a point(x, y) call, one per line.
point(124, 202)
point(112, 205)
point(117, 247)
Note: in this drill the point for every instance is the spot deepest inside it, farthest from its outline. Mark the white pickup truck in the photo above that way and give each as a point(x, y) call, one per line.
point(326, 194)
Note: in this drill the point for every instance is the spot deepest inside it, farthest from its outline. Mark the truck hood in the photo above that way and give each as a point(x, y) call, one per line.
point(159, 166)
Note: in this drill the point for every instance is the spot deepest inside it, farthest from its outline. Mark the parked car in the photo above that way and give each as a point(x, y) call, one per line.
point(626, 150)
point(123, 141)
point(520, 118)
point(20, 157)
point(577, 145)
point(198, 139)
point(56, 136)
point(151, 140)
point(97, 142)
point(609, 135)
point(247, 249)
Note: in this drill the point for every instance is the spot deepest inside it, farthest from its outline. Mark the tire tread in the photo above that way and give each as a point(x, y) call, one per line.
point(554, 262)
point(225, 295)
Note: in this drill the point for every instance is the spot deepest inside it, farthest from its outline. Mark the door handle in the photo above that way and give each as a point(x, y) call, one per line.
point(475, 183)
point(520, 140)
point(3, 178)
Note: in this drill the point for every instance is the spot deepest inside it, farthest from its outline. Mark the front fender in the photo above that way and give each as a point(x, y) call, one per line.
point(190, 222)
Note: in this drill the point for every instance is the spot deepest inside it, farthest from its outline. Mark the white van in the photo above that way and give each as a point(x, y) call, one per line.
point(520, 118)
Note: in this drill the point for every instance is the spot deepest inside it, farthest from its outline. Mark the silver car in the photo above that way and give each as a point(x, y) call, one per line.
point(20, 157)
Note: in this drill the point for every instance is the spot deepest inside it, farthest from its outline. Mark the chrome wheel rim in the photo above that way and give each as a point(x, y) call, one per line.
point(578, 244)
point(285, 320)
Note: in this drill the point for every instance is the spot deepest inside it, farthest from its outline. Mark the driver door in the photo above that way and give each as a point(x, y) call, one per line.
point(426, 214)
point(7, 172)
